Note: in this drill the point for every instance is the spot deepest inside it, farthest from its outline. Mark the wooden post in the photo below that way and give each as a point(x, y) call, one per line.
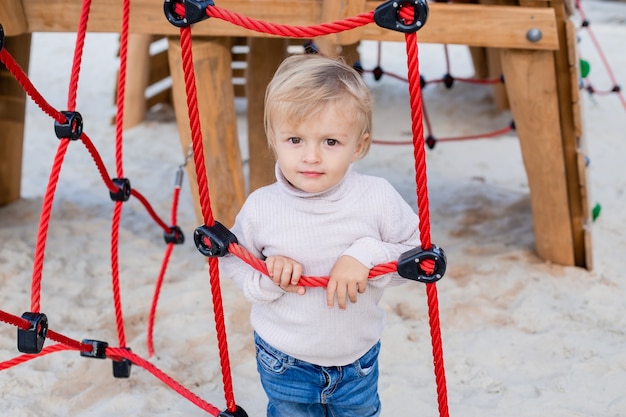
point(12, 112)
point(216, 104)
point(479, 59)
point(264, 56)
point(573, 152)
point(137, 79)
point(532, 91)
point(12, 17)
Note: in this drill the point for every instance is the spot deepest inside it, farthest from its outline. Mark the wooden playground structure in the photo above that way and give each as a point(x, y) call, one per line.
point(531, 42)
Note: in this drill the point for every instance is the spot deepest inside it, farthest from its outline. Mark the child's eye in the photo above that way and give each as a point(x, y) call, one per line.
point(294, 140)
point(332, 142)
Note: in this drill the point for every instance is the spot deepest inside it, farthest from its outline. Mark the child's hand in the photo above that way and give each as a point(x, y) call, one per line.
point(285, 272)
point(347, 277)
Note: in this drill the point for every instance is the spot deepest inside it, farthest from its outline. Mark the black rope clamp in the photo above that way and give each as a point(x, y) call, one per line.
point(239, 412)
point(98, 349)
point(213, 241)
point(387, 15)
point(195, 11)
point(123, 189)
point(409, 264)
point(121, 368)
point(175, 236)
point(31, 340)
point(72, 129)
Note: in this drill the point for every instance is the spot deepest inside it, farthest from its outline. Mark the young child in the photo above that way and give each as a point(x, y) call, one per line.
point(317, 348)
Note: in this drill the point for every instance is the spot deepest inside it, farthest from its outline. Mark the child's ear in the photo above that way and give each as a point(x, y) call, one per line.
point(358, 152)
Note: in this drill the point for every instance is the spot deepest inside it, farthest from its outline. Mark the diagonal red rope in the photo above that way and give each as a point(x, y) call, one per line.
point(65, 343)
point(424, 214)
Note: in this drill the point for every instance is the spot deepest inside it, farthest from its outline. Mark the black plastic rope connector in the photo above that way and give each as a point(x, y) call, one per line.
point(98, 349)
point(195, 11)
point(213, 241)
point(431, 141)
point(31, 340)
point(448, 81)
point(72, 129)
point(1, 37)
point(409, 264)
point(378, 73)
point(175, 236)
point(122, 368)
point(239, 412)
point(123, 189)
point(387, 15)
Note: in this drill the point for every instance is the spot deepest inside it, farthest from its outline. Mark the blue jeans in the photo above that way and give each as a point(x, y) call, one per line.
point(296, 388)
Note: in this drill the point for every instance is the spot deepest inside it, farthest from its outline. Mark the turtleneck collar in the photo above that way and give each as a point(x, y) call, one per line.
point(334, 193)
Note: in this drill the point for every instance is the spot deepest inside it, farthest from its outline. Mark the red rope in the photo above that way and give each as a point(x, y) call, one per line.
point(119, 164)
point(306, 281)
point(424, 215)
point(44, 222)
point(155, 299)
point(603, 58)
point(23, 80)
point(486, 135)
point(115, 273)
point(18, 360)
point(285, 30)
point(121, 353)
point(65, 343)
point(203, 191)
point(81, 33)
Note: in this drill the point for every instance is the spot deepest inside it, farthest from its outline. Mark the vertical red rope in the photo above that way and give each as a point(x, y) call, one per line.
point(121, 89)
point(119, 164)
point(115, 273)
point(424, 214)
point(205, 203)
point(44, 222)
point(81, 33)
point(155, 298)
point(46, 209)
point(194, 124)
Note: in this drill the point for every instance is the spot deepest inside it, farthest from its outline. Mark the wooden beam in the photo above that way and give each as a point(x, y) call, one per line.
point(264, 56)
point(12, 112)
point(137, 79)
point(567, 77)
point(12, 17)
point(532, 89)
point(216, 106)
point(465, 24)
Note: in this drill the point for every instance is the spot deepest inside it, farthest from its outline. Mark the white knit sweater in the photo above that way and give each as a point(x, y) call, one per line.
point(363, 217)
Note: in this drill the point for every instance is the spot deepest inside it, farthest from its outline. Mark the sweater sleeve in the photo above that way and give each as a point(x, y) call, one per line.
point(398, 232)
point(256, 287)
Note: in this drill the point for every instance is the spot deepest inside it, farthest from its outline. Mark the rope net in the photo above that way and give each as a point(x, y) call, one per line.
point(35, 323)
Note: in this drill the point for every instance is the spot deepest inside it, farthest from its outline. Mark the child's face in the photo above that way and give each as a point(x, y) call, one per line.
point(315, 155)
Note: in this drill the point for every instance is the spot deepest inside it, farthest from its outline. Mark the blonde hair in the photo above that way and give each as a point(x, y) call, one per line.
point(304, 85)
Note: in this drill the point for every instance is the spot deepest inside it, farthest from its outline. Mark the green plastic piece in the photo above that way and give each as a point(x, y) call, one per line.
point(585, 67)
point(595, 213)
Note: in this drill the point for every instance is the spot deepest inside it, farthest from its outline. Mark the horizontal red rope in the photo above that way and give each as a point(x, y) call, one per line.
point(306, 281)
point(486, 135)
point(285, 30)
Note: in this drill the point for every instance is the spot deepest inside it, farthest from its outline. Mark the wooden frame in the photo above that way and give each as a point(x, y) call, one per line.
point(540, 81)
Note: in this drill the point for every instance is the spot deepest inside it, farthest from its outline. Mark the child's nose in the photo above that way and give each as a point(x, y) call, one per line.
point(312, 154)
